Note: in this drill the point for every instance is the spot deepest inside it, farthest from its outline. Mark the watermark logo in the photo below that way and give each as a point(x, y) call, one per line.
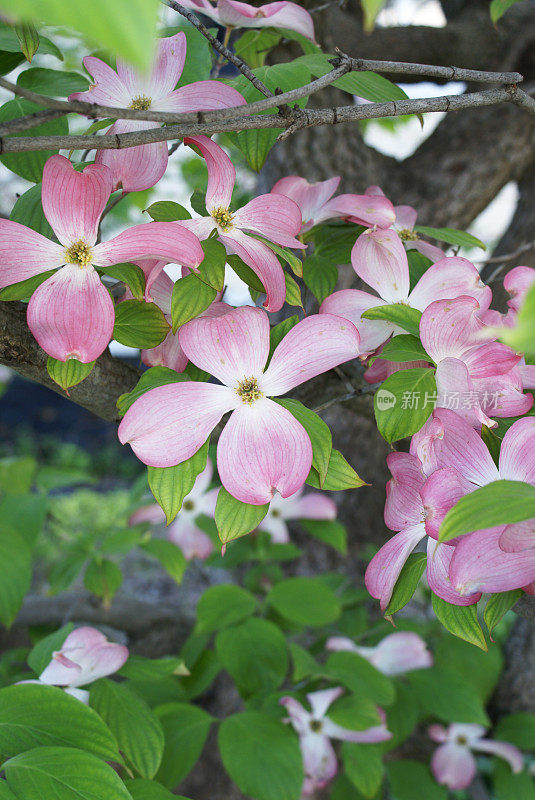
point(385, 399)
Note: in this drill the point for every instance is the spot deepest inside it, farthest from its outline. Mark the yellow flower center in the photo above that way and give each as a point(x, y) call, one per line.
point(223, 217)
point(188, 505)
point(79, 253)
point(141, 103)
point(248, 391)
point(407, 235)
point(315, 725)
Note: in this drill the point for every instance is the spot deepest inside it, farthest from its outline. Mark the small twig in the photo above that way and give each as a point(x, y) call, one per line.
point(29, 121)
point(221, 49)
point(174, 147)
point(426, 70)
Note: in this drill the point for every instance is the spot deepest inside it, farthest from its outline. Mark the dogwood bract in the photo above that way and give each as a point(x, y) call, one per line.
point(71, 314)
point(453, 764)
point(315, 730)
point(318, 205)
point(138, 168)
point(234, 14)
point(275, 217)
point(395, 654)
point(262, 448)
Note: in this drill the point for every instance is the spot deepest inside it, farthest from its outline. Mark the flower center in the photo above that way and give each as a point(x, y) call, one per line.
point(315, 725)
point(461, 740)
point(406, 235)
point(141, 103)
point(248, 390)
point(79, 253)
point(275, 513)
point(188, 505)
point(223, 217)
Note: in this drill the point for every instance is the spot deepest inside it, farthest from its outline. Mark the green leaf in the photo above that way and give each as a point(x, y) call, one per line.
point(124, 27)
point(304, 665)
point(285, 253)
point(170, 485)
point(460, 620)
point(480, 669)
point(199, 61)
point(53, 82)
point(234, 518)
point(212, 268)
point(17, 475)
point(63, 773)
point(130, 274)
point(169, 555)
point(406, 317)
point(198, 203)
point(404, 402)
point(518, 729)
point(255, 745)
point(363, 765)
point(354, 712)
point(8, 62)
point(402, 716)
point(151, 378)
point(522, 337)
point(221, 606)
point(139, 324)
point(418, 266)
point(446, 694)
point(253, 46)
point(30, 165)
point(24, 515)
point(139, 668)
point(405, 347)
point(411, 779)
point(451, 236)
point(318, 432)
point(246, 274)
point(498, 605)
point(41, 654)
point(142, 789)
point(371, 8)
point(329, 531)
point(29, 40)
point(24, 289)
point(320, 275)
point(136, 728)
point(512, 787)
point(334, 241)
point(167, 211)
point(499, 7)
point(68, 373)
point(340, 475)
point(498, 503)
point(368, 85)
point(254, 654)
point(406, 584)
point(15, 574)
point(185, 728)
point(28, 210)
point(305, 601)
point(191, 296)
point(103, 577)
point(358, 675)
point(293, 292)
point(35, 715)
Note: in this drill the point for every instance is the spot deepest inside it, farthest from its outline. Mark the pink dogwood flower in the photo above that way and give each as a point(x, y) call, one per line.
point(467, 367)
point(234, 14)
point(85, 656)
point(262, 447)
point(317, 203)
point(313, 505)
point(184, 531)
point(71, 314)
point(413, 513)
point(493, 560)
point(315, 731)
point(395, 654)
point(138, 168)
point(453, 764)
point(379, 259)
point(275, 217)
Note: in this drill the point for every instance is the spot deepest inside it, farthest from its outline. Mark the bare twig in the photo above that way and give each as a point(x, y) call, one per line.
point(30, 121)
point(221, 49)
point(293, 120)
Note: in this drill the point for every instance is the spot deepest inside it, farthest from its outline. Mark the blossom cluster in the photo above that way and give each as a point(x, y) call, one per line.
point(264, 453)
